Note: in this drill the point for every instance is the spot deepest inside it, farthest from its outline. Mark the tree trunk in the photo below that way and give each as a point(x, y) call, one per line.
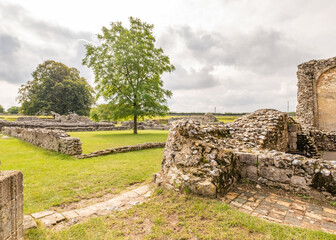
point(135, 126)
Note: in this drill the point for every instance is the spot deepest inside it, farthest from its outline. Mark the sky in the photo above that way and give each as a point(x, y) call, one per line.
point(230, 55)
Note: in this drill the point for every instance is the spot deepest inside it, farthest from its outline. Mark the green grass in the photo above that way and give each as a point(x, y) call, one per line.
point(51, 179)
point(93, 141)
point(170, 215)
point(227, 118)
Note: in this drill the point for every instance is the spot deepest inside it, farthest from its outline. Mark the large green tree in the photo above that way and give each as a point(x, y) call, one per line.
point(56, 88)
point(128, 69)
point(2, 110)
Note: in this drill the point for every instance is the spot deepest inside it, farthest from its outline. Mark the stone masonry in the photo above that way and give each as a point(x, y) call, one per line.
point(55, 140)
point(11, 205)
point(317, 94)
point(209, 159)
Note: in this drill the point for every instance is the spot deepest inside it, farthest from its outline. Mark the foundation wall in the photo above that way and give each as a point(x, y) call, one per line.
point(11, 205)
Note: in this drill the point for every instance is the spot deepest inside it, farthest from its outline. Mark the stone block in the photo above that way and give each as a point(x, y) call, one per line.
point(247, 158)
point(52, 219)
point(298, 181)
point(206, 188)
point(275, 174)
point(42, 214)
point(11, 200)
point(294, 128)
point(29, 222)
point(250, 172)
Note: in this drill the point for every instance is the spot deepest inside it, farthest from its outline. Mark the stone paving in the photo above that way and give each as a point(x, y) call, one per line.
point(60, 219)
point(268, 206)
point(290, 210)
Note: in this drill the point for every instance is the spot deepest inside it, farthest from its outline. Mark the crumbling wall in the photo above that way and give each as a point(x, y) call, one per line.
point(310, 76)
point(55, 140)
point(11, 205)
point(209, 159)
point(267, 128)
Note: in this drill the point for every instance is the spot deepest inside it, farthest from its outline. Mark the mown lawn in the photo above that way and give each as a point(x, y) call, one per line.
point(51, 179)
point(170, 215)
point(93, 141)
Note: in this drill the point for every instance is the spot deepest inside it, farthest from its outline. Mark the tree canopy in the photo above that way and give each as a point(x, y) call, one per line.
point(128, 68)
point(56, 88)
point(2, 109)
point(13, 110)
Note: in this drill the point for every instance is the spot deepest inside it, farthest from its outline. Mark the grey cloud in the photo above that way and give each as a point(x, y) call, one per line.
point(192, 79)
point(19, 57)
point(264, 51)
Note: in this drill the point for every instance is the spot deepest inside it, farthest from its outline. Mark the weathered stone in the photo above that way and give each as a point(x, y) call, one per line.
point(28, 222)
point(42, 214)
point(11, 205)
point(55, 140)
point(52, 219)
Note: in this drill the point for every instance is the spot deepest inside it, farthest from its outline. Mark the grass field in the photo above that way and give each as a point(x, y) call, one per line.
point(51, 179)
point(170, 215)
point(93, 141)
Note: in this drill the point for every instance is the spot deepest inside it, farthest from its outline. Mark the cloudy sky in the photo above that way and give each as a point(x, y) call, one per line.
point(235, 55)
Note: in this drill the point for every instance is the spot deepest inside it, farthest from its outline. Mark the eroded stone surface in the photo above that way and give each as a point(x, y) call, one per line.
point(289, 211)
point(209, 159)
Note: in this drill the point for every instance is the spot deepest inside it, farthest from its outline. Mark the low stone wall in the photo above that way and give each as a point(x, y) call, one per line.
point(137, 147)
point(64, 126)
point(55, 140)
point(209, 159)
point(11, 205)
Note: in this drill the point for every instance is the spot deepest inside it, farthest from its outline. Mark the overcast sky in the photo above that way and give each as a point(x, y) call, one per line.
point(235, 55)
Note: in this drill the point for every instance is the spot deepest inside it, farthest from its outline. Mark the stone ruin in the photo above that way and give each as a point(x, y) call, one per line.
point(265, 147)
point(317, 94)
point(207, 118)
point(69, 123)
point(55, 140)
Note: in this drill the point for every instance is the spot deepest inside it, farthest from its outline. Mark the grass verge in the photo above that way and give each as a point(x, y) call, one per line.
point(170, 215)
point(51, 179)
point(94, 141)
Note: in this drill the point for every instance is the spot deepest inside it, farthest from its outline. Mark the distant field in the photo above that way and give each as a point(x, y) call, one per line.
point(93, 141)
point(14, 117)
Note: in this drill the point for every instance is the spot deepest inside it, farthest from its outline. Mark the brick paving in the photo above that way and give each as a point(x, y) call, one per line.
point(290, 210)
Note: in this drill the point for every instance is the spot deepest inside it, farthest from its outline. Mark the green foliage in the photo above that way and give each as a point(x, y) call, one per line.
point(13, 110)
point(58, 88)
point(128, 68)
point(101, 112)
point(2, 110)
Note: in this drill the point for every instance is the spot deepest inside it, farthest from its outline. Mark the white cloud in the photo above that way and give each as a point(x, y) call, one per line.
point(235, 55)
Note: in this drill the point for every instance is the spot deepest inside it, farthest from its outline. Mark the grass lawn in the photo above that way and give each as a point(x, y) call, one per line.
point(51, 179)
point(169, 215)
point(93, 141)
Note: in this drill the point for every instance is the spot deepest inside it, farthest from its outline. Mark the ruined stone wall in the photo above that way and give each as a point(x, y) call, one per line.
point(65, 126)
point(316, 94)
point(209, 159)
point(11, 205)
point(55, 140)
point(324, 140)
point(267, 128)
point(149, 124)
point(207, 118)
point(141, 146)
